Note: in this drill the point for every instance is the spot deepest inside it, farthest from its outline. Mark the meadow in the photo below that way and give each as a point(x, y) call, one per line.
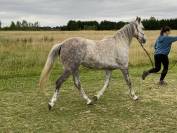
point(23, 107)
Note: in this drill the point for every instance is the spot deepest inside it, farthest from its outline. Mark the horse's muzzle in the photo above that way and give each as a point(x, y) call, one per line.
point(143, 40)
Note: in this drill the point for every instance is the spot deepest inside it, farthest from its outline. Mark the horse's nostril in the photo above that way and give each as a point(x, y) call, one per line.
point(144, 40)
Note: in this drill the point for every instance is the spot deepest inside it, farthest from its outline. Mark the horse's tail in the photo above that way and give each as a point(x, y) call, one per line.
point(54, 52)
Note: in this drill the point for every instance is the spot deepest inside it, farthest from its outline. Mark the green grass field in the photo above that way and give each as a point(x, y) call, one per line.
point(23, 107)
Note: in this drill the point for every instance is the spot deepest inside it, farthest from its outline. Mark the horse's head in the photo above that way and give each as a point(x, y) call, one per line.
point(138, 31)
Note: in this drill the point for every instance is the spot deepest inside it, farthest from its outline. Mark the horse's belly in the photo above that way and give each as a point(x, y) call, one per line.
point(100, 63)
point(101, 57)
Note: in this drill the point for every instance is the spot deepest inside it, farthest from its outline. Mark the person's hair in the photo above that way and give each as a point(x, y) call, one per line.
point(164, 29)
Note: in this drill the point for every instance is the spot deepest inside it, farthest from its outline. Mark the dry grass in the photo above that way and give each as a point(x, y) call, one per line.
point(37, 44)
point(24, 109)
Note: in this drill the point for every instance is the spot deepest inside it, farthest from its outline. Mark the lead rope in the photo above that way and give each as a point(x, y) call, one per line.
point(150, 59)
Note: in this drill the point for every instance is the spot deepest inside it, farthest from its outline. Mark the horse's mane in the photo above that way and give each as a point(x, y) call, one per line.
point(126, 31)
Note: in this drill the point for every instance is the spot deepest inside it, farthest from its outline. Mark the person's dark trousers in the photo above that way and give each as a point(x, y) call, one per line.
point(160, 58)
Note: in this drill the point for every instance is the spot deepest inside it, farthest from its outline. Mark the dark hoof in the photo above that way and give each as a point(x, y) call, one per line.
point(136, 98)
point(90, 103)
point(94, 98)
point(49, 107)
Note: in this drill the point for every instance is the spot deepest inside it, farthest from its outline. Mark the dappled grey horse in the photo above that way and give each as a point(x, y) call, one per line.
point(107, 54)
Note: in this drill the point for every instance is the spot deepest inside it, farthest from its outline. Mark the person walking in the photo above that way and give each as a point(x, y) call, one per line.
point(162, 49)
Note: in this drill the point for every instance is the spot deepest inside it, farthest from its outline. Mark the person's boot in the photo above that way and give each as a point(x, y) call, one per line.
point(161, 82)
point(145, 74)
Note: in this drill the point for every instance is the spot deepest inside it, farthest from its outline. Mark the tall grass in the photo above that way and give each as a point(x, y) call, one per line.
point(28, 49)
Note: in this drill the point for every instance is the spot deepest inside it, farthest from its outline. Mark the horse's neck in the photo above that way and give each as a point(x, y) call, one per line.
point(124, 35)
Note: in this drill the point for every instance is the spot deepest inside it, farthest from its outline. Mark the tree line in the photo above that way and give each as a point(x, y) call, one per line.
point(149, 24)
point(21, 25)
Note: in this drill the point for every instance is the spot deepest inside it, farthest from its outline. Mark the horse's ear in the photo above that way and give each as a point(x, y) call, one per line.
point(138, 19)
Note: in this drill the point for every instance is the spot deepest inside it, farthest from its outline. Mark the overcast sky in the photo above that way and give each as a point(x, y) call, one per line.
point(58, 12)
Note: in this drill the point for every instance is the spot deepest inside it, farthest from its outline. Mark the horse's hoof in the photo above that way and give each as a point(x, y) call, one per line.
point(95, 98)
point(49, 107)
point(135, 98)
point(90, 102)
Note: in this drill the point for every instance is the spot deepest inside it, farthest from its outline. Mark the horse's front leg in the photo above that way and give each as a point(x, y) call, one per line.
point(106, 84)
point(128, 81)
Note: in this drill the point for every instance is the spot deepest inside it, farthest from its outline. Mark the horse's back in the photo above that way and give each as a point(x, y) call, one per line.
point(73, 51)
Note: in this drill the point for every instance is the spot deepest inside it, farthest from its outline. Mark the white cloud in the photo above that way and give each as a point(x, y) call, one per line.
point(58, 12)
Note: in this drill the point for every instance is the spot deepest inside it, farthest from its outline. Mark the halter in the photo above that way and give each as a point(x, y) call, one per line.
point(147, 53)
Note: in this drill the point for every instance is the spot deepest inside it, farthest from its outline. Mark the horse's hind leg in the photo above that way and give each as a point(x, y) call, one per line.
point(79, 87)
point(59, 82)
point(106, 84)
point(128, 81)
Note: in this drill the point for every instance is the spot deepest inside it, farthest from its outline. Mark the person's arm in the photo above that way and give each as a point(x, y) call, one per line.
point(172, 39)
point(155, 46)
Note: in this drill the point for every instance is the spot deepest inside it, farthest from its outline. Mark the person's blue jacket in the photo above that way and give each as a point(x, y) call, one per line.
point(163, 44)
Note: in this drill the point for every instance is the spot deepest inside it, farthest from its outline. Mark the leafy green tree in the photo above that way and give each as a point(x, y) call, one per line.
point(24, 25)
point(107, 25)
point(120, 24)
point(73, 25)
point(12, 26)
point(18, 25)
point(36, 24)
